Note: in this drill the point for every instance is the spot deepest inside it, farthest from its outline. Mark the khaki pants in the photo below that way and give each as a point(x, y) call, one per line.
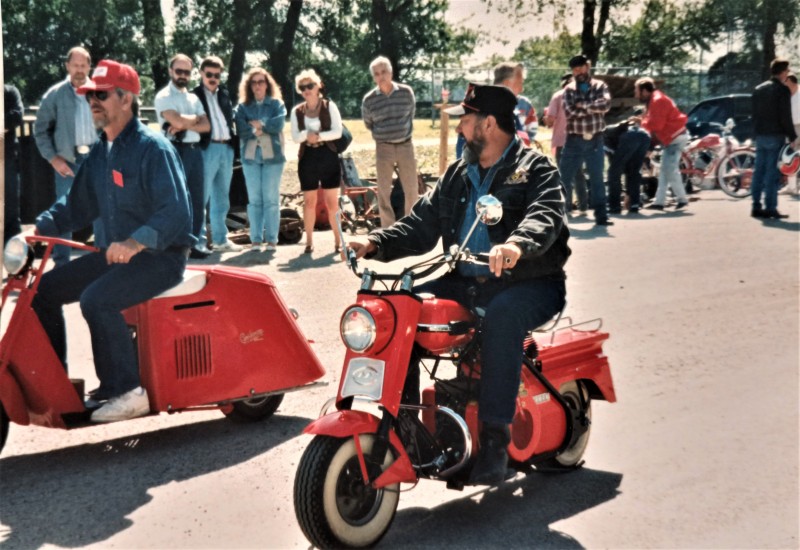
point(387, 156)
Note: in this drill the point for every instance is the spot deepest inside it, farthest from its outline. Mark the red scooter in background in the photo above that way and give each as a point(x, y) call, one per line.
point(347, 484)
point(221, 339)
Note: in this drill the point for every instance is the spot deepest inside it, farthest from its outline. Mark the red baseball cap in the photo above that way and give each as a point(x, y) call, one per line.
point(109, 75)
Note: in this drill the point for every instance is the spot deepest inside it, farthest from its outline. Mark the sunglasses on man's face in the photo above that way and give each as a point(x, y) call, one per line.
point(101, 95)
point(215, 76)
point(182, 72)
point(304, 87)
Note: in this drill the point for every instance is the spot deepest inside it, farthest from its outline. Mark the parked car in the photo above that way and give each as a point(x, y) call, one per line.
point(739, 107)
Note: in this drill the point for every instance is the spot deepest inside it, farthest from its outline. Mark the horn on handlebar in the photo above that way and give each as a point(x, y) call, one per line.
point(346, 210)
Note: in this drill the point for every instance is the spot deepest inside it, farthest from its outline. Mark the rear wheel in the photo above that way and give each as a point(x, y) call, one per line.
point(253, 410)
point(735, 172)
point(334, 507)
point(3, 427)
point(291, 232)
point(572, 392)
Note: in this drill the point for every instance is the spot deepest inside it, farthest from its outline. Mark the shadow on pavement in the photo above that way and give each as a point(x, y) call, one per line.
point(93, 489)
point(517, 514)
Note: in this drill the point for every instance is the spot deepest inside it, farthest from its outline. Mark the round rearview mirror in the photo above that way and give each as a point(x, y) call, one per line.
point(347, 207)
point(489, 209)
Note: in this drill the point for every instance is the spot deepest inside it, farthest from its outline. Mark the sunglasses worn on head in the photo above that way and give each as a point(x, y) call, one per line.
point(101, 95)
point(258, 82)
point(182, 72)
point(215, 76)
point(304, 87)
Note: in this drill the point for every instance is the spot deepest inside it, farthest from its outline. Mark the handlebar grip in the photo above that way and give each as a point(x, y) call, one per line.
point(481, 258)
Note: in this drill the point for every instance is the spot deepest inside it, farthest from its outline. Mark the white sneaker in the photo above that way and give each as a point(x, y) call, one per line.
point(227, 246)
point(132, 404)
point(270, 247)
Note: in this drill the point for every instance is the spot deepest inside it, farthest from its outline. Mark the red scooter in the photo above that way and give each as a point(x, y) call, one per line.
point(347, 484)
point(221, 339)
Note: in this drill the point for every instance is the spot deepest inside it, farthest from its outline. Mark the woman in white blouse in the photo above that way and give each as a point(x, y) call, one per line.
point(316, 123)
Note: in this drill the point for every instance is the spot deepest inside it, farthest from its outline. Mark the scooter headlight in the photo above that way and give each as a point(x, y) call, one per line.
point(358, 329)
point(15, 255)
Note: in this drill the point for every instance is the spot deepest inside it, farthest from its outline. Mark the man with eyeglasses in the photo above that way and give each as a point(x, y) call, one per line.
point(182, 116)
point(64, 131)
point(132, 184)
point(217, 149)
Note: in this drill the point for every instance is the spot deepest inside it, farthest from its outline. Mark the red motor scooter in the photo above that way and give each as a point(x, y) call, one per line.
point(347, 484)
point(221, 339)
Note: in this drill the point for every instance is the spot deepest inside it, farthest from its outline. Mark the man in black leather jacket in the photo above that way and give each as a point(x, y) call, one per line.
point(523, 285)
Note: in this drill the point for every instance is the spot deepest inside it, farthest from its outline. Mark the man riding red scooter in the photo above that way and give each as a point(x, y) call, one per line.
point(523, 284)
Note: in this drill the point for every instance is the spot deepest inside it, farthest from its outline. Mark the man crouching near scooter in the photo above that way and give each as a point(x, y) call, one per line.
point(133, 183)
point(523, 285)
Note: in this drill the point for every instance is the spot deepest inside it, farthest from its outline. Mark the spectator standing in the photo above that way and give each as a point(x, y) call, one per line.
point(772, 118)
point(12, 111)
point(666, 124)
point(388, 112)
point(182, 117)
point(586, 101)
point(217, 147)
point(260, 117)
point(315, 124)
point(132, 183)
point(64, 131)
point(791, 83)
point(512, 76)
point(556, 119)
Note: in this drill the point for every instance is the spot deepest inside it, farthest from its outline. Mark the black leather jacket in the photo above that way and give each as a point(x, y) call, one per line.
point(225, 105)
point(772, 110)
point(528, 185)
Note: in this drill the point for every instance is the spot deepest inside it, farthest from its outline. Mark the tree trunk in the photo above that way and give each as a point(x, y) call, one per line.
point(588, 46)
point(770, 28)
point(280, 58)
point(239, 43)
point(386, 31)
point(155, 43)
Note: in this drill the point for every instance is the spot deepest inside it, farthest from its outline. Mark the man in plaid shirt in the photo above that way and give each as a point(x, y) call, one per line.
point(586, 101)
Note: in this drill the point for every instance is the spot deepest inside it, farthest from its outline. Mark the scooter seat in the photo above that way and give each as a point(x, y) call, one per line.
point(193, 281)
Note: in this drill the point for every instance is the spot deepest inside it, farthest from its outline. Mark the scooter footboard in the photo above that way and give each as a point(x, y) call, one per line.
point(342, 424)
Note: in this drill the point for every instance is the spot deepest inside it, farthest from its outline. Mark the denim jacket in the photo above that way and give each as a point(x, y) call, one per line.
point(272, 114)
point(138, 189)
point(528, 185)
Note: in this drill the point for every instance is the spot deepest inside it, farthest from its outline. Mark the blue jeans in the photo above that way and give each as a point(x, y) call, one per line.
point(192, 159)
point(11, 220)
point(766, 176)
point(263, 182)
point(578, 184)
point(670, 173)
point(104, 291)
point(61, 253)
point(628, 158)
point(512, 309)
point(217, 170)
point(578, 151)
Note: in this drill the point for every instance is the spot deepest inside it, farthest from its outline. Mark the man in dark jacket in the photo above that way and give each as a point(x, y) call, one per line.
point(523, 285)
point(14, 111)
point(772, 117)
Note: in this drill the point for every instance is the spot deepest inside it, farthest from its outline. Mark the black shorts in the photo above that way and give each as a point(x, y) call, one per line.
point(319, 167)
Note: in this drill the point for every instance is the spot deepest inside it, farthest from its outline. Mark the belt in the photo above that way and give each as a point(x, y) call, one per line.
point(315, 145)
point(397, 142)
point(223, 141)
point(587, 136)
point(82, 149)
point(194, 145)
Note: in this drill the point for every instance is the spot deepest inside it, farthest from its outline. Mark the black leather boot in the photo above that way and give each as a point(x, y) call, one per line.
point(491, 465)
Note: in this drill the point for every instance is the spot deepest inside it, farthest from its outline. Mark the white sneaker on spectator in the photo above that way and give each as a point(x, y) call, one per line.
point(227, 246)
point(132, 404)
point(271, 247)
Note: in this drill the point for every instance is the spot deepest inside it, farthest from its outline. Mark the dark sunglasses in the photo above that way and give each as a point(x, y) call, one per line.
point(182, 72)
point(100, 95)
point(304, 87)
point(257, 82)
point(215, 76)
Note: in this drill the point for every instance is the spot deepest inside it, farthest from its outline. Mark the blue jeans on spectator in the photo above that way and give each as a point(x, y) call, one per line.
point(627, 158)
point(11, 215)
point(578, 184)
point(766, 176)
point(192, 159)
point(61, 253)
point(104, 291)
point(263, 182)
point(670, 173)
point(217, 170)
point(578, 151)
point(512, 310)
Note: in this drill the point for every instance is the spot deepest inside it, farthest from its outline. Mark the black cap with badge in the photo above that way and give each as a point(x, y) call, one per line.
point(498, 101)
point(578, 61)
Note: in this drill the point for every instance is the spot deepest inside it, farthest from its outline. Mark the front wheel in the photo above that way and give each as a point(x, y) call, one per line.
point(3, 427)
point(255, 409)
point(577, 398)
point(735, 172)
point(334, 507)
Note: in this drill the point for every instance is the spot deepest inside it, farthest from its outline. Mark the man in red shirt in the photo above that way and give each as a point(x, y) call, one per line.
point(667, 125)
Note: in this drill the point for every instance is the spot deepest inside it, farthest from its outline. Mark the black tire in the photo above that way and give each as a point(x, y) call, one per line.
point(294, 234)
point(253, 410)
point(334, 508)
point(574, 453)
point(3, 427)
point(735, 172)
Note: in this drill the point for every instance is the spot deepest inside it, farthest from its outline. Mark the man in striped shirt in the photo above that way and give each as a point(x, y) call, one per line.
point(388, 112)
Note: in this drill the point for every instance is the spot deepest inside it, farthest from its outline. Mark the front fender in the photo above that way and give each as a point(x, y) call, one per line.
point(341, 424)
